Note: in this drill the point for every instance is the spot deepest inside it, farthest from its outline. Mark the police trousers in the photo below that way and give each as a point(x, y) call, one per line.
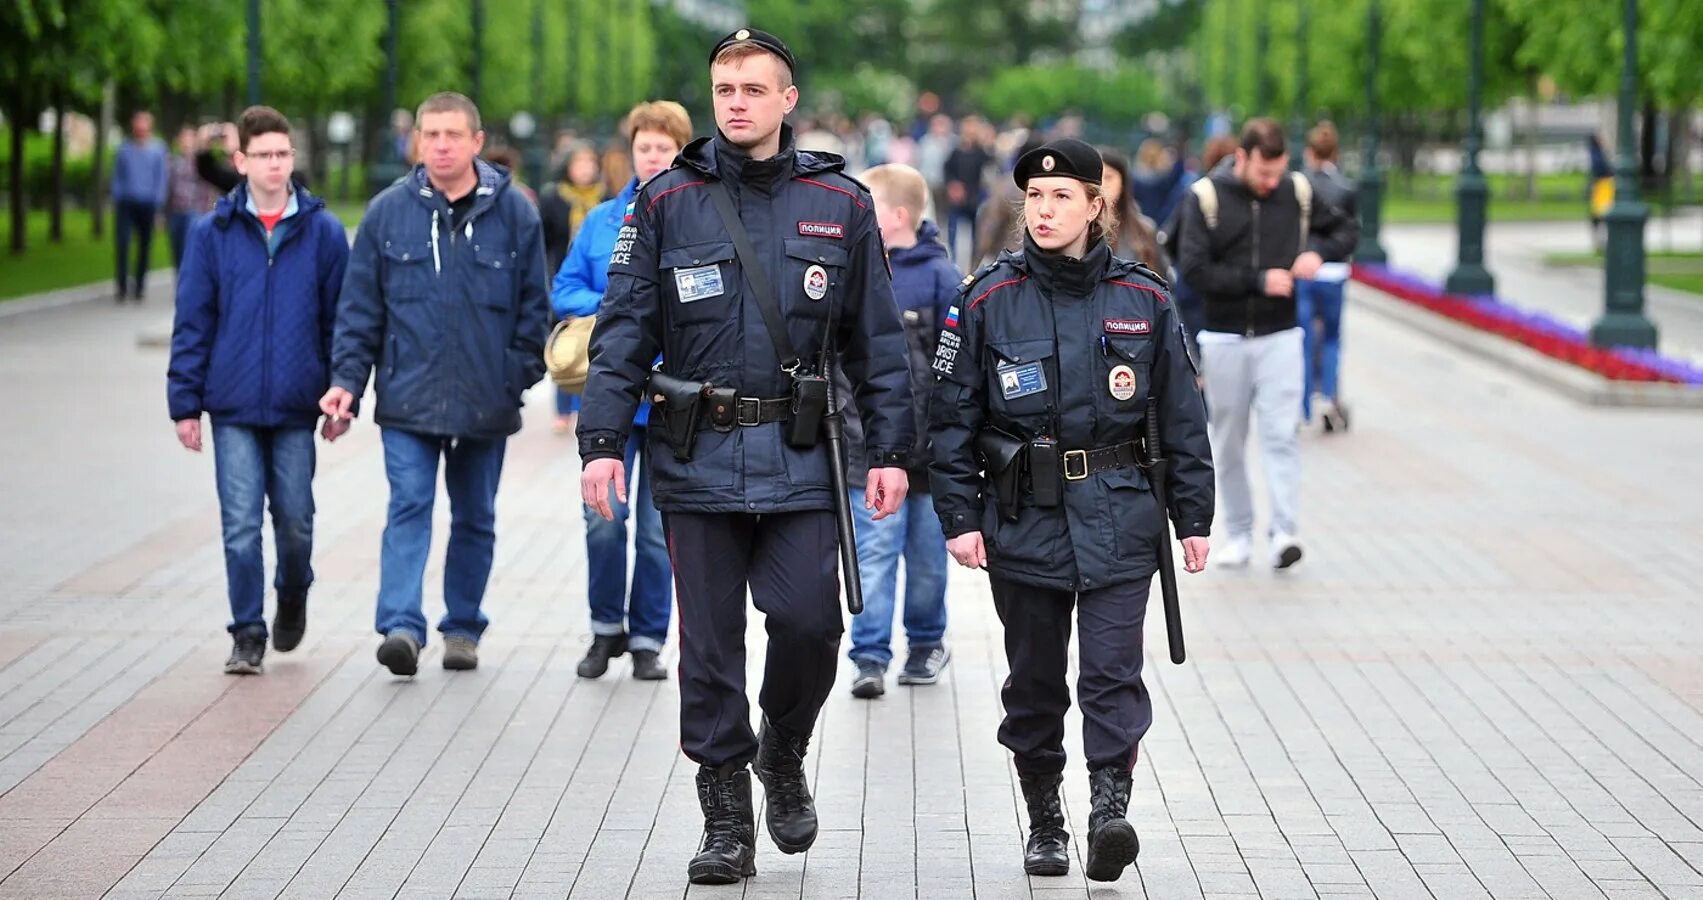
point(788, 561)
point(1116, 707)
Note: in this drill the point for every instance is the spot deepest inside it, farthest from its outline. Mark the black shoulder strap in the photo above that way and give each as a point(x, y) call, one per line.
point(755, 276)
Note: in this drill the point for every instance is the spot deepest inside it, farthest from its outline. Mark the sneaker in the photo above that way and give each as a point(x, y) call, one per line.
point(646, 666)
point(460, 653)
point(400, 653)
point(1335, 416)
point(924, 664)
point(871, 681)
point(248, 649)
point(290, 623)
point(1235, 553)
point(1285, 550)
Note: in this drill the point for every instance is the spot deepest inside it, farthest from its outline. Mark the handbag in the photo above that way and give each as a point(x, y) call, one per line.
point(567, 352)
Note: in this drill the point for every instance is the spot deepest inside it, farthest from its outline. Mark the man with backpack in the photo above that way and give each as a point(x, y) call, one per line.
point(1248, 233)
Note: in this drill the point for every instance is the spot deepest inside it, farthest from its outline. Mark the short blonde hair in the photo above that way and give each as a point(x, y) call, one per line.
point(901, 186)
point(739, 50)
point(665, 116)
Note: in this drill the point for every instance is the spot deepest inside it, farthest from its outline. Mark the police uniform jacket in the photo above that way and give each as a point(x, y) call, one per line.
point(676, 287)
point(1034, 348)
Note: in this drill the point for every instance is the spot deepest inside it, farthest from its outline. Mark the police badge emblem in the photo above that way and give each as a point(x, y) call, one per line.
point(815, 282)
point(1121, 383)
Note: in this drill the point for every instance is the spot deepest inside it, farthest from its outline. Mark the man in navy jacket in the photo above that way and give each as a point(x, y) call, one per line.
point(256, 298)
point(446, 297)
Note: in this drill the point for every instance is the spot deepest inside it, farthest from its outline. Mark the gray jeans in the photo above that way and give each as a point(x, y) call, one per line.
point(1261, 376)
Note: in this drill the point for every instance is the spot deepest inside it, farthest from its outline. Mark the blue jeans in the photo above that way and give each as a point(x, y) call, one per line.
point(645, 616)
point(915, 532)
point(471, 471)
point(1318, 306)
point(252, 466)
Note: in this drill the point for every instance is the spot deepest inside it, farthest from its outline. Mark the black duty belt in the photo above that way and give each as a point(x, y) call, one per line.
point(747, 412)
point(1079, 464)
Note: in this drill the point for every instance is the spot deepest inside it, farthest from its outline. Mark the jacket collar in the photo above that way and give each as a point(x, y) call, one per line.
point(237, 202)
point(492, 180)
point(1060, 274)
point(715, 157)
point(927, 247)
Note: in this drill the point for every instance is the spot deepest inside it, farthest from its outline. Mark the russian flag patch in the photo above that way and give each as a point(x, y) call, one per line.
point(629, 216)
point(952, 317)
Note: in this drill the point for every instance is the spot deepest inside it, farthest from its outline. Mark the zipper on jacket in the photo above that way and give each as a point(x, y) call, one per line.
point(1249, 325)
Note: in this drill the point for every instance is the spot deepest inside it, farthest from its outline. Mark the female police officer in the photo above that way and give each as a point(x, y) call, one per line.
point(1047, 366)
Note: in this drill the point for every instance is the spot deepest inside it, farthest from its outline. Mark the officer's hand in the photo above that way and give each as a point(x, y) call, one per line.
point(1194, 554)
point(1279, 283)
point(968, 550)
point(885, 491)
point(189, 433)
point(336, 403)
point(594, 485)
point(1307, 265)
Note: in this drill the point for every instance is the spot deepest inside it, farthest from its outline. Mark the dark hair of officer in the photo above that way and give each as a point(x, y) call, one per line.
point(1055, 210)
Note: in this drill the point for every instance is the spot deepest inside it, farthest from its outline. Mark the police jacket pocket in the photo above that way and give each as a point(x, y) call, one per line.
point(1129, 367)
point(1020, 377)
point(699, 282)
point(1134, 513)
point(814, 270)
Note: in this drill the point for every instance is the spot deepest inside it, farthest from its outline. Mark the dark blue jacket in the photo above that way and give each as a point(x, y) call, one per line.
point(924, 284)
point(453, 317)
point(811, 225)
point(584, 275)
point(1037, 346)
point(251, 344)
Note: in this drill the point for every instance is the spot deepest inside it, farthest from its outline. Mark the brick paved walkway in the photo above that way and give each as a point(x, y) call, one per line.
point(1485, 681)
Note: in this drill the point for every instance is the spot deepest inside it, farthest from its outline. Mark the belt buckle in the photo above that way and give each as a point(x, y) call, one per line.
point(1075, 465)
point(754, 405)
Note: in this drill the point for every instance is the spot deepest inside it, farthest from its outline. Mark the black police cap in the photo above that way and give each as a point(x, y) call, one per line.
point(1067, 158)
point(762, 39)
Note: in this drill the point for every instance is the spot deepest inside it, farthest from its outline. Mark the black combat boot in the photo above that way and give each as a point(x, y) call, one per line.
point(1047, 852)
point(729, 850)
point(604, 647)
point(1112, 844)
point(789, 810)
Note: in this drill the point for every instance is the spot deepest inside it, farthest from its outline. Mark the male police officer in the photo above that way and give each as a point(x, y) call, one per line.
point(746, 501)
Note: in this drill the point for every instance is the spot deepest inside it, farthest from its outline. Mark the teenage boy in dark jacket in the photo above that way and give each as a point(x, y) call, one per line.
point(256, 299)
point(924, 283)
point(1248, 233)
point(446, 297)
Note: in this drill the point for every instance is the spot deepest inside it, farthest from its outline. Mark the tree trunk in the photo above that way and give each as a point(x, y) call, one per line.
point(97, 179)
point(19, 198)
point(56, 193)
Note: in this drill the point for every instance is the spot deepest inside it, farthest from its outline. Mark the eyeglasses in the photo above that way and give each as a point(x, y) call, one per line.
point(269, 156)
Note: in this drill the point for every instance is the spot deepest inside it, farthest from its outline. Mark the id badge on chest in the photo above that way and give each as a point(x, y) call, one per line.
point(1021, 379)
point(697, 284)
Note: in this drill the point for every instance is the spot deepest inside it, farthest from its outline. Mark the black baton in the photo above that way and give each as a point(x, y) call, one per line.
point(1158, 475)
point(835, 429)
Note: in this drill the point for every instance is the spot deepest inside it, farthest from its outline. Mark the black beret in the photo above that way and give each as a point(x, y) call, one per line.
point(762, 39)
point(1067, 158)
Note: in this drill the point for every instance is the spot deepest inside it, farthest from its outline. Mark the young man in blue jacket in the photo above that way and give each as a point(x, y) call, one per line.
point(924, 283)
point(446, 297)
point(656, 132)
point(256, 299)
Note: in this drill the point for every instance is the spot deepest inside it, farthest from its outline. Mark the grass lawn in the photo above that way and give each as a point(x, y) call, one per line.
point(1440, 210)
point(80, 259)
point(1681, 270)
point(83, 259)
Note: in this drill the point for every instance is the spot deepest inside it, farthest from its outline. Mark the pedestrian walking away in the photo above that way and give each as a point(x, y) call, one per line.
point(1051, 363)
point(1248, 233)
point(746, 266)
point(446, 297)
point(924, 283)
point(1318, 300)
point(256, 300)
point(621, 623)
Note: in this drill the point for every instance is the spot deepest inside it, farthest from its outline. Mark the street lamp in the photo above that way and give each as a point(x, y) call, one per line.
point(1371, 195)
point(253, 52)
point(1296, 158)
point(1262, 51)
point(340, 129)
point(477, 74)
point(1471, 193)
point(1623, 322)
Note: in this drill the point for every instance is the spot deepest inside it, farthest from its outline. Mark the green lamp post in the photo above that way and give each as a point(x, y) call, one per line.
point(1371, 193)
point(476, 77)
point(253, 52)
point(1623, 322)
point(1471, 193)
point(1296, 159)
